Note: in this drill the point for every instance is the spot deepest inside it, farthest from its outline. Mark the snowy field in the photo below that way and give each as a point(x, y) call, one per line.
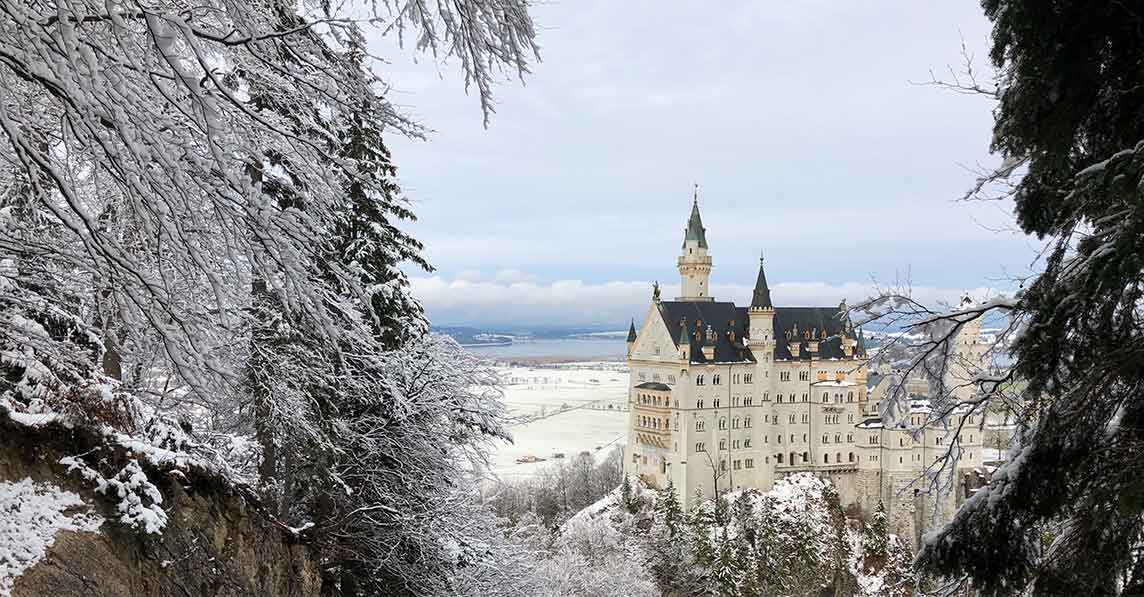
point(564, 409)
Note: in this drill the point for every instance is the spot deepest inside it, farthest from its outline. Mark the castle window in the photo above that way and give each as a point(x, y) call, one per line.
point(747, 423)
point(850, 396)
point(699, 425)
point(715, 380)
point(792, 418)
point(722, 444)
point(784, 376)
point(748, 377)
point(825, 438)
point(716, 401)
point(779, 458)
point(850, 457)
point(837, 438)
point(805, 397)
point(723, 423)
point(838, 457)
point(699, 403)
point(849, 418)
point(766, 396)
point(699, 379)
point(736, 444)
point(738, 464)
point(804, 437)
point(849, 438)
point(826, 458)
point(699, 447)
point(747, 443)
point(722, 465)
point(825, 397)
point(750, 463)
point(735, 423)
point(792, 438)
point(780, 438)
point(804, 375)
point(806, 457)
point(780, 398)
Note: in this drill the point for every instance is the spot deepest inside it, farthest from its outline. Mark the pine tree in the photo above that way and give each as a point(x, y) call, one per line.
point(1071, 110)
point(627, 497)
point(725, 570)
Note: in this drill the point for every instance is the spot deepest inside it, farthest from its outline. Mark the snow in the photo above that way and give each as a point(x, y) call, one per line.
point(31, 514)
point(569, 410)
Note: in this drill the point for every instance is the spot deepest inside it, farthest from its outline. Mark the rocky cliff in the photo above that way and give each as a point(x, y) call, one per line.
point(215, 539)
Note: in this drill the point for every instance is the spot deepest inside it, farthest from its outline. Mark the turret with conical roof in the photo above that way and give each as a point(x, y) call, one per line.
point(694, 263)
point(762, 316)
point(631, 336)
point(761, 299)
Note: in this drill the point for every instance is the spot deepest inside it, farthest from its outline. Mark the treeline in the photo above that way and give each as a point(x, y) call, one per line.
point(793, 540)
point(559, 491)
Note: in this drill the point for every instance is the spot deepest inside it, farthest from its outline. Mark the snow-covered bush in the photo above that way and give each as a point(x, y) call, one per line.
point(138, 501)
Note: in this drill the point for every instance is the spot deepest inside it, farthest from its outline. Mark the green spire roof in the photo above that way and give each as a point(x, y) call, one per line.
point(632, 332)
point(762, 295)
point(695, 230)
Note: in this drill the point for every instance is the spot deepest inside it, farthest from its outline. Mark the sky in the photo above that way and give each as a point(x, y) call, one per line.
point(804, 123)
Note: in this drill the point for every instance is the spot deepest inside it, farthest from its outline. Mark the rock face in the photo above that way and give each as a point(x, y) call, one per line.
point(216, 541)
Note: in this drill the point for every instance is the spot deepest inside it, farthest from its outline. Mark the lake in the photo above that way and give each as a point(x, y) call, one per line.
point(588, 349)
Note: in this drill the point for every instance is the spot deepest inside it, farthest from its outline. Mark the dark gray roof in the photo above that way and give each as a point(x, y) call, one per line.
point(723, 318)
point(695, 230)
point(872, 379)
point(653, 385)
point(762, 295)
point(632, 332)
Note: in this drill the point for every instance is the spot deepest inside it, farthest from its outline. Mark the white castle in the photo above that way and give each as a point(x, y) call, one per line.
point(727, 397)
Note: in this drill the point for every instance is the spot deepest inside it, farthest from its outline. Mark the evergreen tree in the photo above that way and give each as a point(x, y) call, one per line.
point(627, 497)
point(1071, 89)
point(724, 568)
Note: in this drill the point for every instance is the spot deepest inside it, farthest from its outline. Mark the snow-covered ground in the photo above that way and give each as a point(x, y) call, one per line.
point(570, 407)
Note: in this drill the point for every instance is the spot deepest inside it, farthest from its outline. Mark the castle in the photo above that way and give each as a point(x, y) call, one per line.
point(728, 397)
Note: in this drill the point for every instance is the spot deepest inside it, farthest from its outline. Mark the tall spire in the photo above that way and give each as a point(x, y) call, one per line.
point(762, 296)
point(632, 331)
point(695, 230)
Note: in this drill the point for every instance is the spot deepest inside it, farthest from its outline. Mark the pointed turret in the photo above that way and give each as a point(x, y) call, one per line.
point(861, 348)
point(695, 230)
point(632, 332)
point(762, 296)
point(694, 263)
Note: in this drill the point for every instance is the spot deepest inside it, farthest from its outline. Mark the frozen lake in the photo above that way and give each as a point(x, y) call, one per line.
point(574, 407)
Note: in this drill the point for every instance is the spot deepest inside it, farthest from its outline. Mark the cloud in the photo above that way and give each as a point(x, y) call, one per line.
point(578, 303)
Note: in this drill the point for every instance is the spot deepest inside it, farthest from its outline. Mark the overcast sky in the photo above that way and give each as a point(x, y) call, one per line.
point(801, 122)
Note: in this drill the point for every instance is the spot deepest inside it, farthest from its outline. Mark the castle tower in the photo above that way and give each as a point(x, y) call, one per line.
point(694, 263)
point(762, 315)
point(631, 337)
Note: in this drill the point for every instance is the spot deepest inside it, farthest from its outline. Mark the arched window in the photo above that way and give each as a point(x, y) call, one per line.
point(722, 444)
point(735, 423)
point(837, 438)
point(851, 457)
point(825, 397)
point(699, 425)
point(850, 396)
point(716, 401)
point(722, 423)
point(699, 403)
point(826, 458)
point(779, 458)
point(715, 379)
point(699, 379)
point(747, 423)
point(825, 439)
point(806, 456)
point(838, 457)
point(747, 443)
point(780, 398)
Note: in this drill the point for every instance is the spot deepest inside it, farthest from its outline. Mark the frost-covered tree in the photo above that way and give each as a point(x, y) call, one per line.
point(198, 215)
point(1070, 126)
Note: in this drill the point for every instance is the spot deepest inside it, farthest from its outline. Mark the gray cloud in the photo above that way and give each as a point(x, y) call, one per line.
point(798, 119)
